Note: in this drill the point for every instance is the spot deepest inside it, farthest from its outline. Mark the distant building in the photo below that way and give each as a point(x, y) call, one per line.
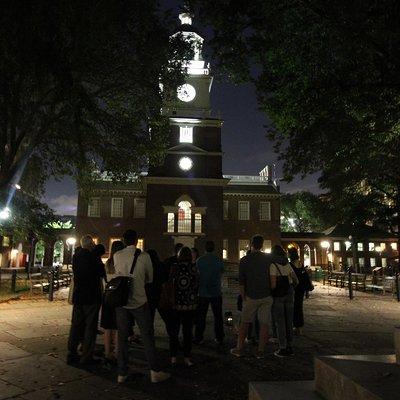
point(363, 247)
point(187, 199)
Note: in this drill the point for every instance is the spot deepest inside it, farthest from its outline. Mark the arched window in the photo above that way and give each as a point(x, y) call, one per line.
point(184, 217)
point(58, 252)
point(307, 255)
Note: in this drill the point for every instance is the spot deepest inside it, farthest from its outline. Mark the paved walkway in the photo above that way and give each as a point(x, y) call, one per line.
point(33, 336)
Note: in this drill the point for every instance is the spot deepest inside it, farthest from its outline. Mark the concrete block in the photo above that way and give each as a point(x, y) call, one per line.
point(299, 390)
point(397, 343)
point(338, 378)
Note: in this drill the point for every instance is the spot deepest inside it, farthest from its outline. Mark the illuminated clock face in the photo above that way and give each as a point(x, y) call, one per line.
point(186, 92)
point(185, 163)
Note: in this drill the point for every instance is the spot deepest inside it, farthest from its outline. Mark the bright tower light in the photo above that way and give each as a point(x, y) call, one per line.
point(17, 186)
point(185, 163)
point(5, 213)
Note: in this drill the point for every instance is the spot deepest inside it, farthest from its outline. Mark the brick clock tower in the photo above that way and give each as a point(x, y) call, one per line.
point(184, 195)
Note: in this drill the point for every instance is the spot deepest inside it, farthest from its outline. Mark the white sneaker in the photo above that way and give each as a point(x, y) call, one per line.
point(122, 378)
point(159, 376)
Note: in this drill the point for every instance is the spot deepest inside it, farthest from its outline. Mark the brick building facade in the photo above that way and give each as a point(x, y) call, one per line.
point(187, 198)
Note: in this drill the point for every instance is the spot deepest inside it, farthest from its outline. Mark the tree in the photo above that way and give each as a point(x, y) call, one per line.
point(79, 87)
point(327, 74)
point(304, 212)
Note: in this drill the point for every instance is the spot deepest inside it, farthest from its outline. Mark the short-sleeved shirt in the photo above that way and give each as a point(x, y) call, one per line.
point(285, 270)
point(142, 274)
point(254, 275)
point(210, 270)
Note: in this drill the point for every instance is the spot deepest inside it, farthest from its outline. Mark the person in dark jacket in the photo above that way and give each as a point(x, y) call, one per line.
point(87, 297)
point(303, 286)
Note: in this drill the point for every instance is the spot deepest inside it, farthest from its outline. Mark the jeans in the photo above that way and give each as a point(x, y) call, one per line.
point(216, 307)
point(143, 321)
point(298, 316)
point(282, 310)
point(178, 319)
point(83, 328)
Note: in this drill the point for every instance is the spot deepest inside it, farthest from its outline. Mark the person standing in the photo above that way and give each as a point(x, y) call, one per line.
point(283, 280)
point(87, 298)
point(300, 290)
point(108, 319)
point(210, 269)
point(186, 285)
point(254, 284)
point(170, 261)
point(136, 307)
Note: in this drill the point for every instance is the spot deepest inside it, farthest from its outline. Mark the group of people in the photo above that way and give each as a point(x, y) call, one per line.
point(196, 286)
point(272, 292)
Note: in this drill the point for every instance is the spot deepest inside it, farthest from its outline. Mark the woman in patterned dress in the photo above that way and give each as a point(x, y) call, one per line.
point(186, 287)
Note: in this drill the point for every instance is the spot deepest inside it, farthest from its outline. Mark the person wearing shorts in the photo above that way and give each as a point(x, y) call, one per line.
point(255, 288)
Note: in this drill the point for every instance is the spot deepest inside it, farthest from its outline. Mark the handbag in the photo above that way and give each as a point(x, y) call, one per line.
point(282, 284)
point(117, 290)
point(167, 296)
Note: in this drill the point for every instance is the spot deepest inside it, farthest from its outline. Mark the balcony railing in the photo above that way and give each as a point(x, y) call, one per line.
point(246, 179)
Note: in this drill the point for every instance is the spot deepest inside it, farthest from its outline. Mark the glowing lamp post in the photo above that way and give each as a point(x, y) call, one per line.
point(325, 245)
point(71, 241)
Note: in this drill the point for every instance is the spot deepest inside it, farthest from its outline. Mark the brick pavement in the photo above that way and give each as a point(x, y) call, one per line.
point(33, 336)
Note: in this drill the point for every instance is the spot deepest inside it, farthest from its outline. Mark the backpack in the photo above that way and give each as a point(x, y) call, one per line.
point(282, 284)
point(117, 290)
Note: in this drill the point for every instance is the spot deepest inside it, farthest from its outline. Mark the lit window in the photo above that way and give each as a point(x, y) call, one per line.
point(382, 246)
point(170, 222)
point(371, 246)
point(94, 207)
point(360, 246)
point(226, 209)
point(95, 240)
point(393, 246)
point(117, 207)
point(267, 246)
point(139, 208)
point(336, 246)
point(184, 217)
point(347, 245)
point(185, 163)
point(140, 244)
point(361, 262)
point(265, 211)
point(243, 210)
point(372, 261)
point(384, 262)
point(225, 249)
point(197, 223)
point(244, 245)
point(186, 134)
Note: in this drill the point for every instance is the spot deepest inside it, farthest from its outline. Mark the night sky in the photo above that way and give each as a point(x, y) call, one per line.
point(246, 149)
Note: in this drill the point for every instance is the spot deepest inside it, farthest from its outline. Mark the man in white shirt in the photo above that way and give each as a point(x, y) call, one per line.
point(136, 308)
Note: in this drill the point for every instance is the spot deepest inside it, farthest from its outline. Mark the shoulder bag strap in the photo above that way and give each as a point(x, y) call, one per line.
point(276, 265)
point(135, 257)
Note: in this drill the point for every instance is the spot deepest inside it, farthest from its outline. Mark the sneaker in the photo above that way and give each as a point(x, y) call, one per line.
point(236, 352)
point(122, 379)
point(289, 351)
point(73, 359)
point(159, 376)
point(281, 353)
point(273, 340)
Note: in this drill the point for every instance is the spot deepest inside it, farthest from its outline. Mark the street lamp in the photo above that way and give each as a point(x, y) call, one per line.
point(71, 241)
point(325, 245)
